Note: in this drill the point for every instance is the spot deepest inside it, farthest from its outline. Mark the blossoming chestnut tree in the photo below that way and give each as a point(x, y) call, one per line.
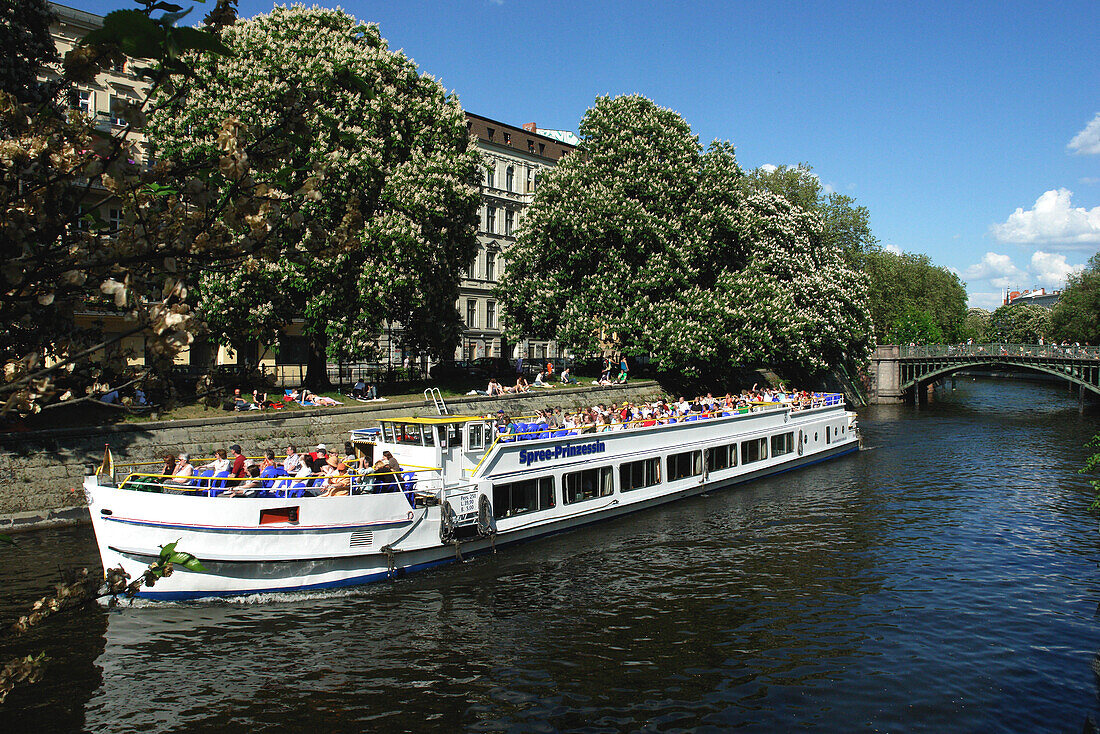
point(645, 243)
point(400, 178)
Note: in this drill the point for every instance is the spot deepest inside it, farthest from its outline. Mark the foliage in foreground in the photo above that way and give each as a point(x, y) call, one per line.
point(58, 169)
point(644, 243)
point(80, 589)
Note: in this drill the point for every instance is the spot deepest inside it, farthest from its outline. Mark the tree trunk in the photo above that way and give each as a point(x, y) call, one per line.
point(504, 361)
point(317, 366)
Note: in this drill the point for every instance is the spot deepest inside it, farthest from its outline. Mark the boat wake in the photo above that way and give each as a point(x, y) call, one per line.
point(274, 597)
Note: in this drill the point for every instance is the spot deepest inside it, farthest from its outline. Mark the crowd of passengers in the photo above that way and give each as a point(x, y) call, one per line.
point(318, 473)
point(321, 473)
point(615, 417)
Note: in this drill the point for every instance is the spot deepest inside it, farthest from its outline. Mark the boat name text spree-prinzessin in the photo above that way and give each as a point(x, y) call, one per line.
point(527, 458)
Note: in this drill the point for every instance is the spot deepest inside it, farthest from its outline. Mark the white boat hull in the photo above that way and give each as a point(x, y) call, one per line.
point(327, 546)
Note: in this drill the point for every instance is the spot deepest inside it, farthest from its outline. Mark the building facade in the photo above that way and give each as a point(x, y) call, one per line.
point(514, 158)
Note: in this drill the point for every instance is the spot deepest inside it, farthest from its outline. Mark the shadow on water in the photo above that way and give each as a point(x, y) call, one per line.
point(944, 581)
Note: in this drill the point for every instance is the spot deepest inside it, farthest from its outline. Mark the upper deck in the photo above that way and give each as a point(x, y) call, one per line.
point(466, 448)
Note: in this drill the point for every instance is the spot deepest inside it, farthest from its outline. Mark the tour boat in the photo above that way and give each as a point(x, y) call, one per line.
point(466, 488)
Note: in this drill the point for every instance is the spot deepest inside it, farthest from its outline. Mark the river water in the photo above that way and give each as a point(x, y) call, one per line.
point(944, 580)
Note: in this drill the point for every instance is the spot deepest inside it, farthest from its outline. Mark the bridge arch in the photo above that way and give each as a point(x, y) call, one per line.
point(898, 372)
point(947, 371)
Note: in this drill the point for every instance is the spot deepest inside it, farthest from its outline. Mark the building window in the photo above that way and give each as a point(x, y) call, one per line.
point(782, 444)
point(510, 179)
point(754, 450)
point(507, 138)
point(82, 99)
point(587, 484)
point(516, 498)
point(491, 219)
point(530, 181)
point(542, 148)
point(114, 221)
point(471, 313)
point(490, 132)
point(490, 266)
point(117, 105)
point(687, 464)
point(491, 178)
point(530, 146)
point(509, 221)
point(639, 474)
point(491, 315)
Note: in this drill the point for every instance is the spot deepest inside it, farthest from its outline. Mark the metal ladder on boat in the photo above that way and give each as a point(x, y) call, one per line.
point(433, 396)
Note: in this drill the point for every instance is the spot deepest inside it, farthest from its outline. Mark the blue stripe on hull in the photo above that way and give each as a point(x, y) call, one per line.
point(501, 542)
point(353, 581)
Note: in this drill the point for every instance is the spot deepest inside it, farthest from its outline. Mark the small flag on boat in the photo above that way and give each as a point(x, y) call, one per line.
point(108, 465)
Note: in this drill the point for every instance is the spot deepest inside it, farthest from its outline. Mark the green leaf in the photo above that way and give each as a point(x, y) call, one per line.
point(194, 565)
point(167, 550)
point(132, 31)
point(171, 18)
point(192, 39)
point(7, 540)
point(186, 560)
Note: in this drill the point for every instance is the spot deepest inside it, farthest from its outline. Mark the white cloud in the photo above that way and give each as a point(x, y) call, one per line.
point(1089, 180)
point(828, 188)
point(1045, 270)
point(1051, 269)
point(1052, 219)
point(892, 248)
point(769, 168)
point(986, 299)
point(1087, 142)
point(998, 270)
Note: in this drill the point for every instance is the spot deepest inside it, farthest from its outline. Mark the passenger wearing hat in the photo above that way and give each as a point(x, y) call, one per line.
point(238, 462)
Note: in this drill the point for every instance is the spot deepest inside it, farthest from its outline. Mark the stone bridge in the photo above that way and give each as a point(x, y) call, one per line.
point(899, 373)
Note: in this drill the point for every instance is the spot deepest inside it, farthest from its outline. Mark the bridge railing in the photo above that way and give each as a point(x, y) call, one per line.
point(1041, 351)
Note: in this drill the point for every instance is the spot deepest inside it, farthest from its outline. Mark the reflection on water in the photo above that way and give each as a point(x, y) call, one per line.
point(941, 581)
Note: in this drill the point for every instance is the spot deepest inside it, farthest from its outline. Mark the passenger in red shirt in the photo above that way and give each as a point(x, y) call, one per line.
point(238, 462)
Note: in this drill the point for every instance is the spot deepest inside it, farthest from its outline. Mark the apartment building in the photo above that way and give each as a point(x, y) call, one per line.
point(514, 158)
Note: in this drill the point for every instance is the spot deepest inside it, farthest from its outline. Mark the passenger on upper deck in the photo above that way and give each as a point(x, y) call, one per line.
point(293, 462)
point(182, 471)
point(391, 462)
point(238, 462)
point(220, 464)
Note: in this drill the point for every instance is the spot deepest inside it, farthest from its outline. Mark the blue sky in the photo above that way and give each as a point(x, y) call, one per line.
point(970, 130)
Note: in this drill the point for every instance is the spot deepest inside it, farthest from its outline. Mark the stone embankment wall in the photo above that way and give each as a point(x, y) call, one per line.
point(41, 472)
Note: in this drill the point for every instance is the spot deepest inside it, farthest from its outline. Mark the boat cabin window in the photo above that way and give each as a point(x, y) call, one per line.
point(782, 443)
point(639, 474)
point(475, 439)
point(687, 464)
point(721, 457)
point(755, 449)
point(489, 432)
point(450, 435)
point(387, 433)
point(517, 498)
point(408, 434)
point(586, 484)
